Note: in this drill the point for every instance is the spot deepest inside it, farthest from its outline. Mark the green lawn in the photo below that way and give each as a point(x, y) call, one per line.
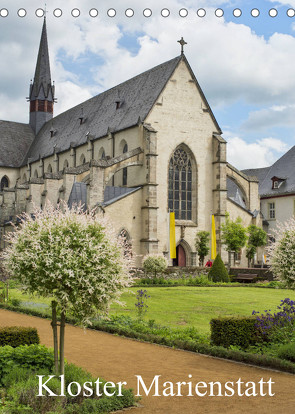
point(193, 306)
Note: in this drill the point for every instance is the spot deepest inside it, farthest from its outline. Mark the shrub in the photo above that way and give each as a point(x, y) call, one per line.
point(218, 272)
point(229, 331)
point(34, 357)
point(16, 336)
point(287, 352)
point(154, 263)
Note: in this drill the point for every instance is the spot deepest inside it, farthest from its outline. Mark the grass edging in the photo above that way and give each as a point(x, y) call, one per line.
point(206, 349)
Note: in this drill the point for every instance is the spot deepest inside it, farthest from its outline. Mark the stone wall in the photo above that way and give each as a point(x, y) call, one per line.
point(262, 273)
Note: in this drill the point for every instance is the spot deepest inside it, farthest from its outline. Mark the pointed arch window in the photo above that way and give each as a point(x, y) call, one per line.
point(4, 183)
point(180, 184)
point(124, 176)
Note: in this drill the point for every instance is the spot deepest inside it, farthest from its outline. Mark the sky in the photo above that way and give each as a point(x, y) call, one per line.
point(245, 65)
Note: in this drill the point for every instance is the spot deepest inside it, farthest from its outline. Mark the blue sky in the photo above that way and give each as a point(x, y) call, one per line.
point(244, 65)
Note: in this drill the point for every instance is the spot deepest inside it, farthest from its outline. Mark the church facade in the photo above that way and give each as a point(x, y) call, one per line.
point(135, 152)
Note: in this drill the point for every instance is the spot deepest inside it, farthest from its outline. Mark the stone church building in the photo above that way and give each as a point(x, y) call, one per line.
point(134, 152)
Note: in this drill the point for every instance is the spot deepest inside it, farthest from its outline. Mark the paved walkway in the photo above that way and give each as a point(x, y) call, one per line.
point(119, 359)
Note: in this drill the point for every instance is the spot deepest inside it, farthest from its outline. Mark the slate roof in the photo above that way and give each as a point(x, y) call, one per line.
point(283, 168)
point(78, 195)
point(112, 194)
point(234, 192)
point(136, 96)
point(15, 140)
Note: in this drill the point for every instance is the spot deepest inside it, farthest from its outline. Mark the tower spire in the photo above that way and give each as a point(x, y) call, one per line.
point(41, 90)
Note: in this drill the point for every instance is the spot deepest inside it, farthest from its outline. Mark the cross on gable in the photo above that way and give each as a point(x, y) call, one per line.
point(182, 43)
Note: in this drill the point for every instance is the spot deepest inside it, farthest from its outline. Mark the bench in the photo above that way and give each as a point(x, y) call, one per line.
point(243, 277)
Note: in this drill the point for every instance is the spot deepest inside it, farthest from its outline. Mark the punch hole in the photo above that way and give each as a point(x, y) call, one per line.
point(201, 12)
point(183, 13)
point(147, 12)
point(237, 12)
point(4, 13)
point(111, 12)
point(22, 12)
point(165, 12)
point(255, 12)
point(93, 13)
point(273, 12)
point(57, 12)
point(75, 12)
point(290, 12)
point(39, 12)
point(129, 13)
point(219, 12)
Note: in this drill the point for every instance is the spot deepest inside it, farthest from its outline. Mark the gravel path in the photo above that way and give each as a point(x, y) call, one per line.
point(119, 359)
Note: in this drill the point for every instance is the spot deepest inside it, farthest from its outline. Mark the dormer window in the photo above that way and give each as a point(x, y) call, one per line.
point(277, 182)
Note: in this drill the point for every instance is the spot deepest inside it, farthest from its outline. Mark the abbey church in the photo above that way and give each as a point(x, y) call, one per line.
point(135, 152)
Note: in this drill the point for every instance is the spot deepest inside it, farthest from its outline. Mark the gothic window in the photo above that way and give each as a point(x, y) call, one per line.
point(101, 154)
point(125, 149)
point(4, 183)
point(24, 178)
point(41, 106)
point(82, 159)
point(36, 174)
point(49, 168)
point(66, 164)
point(180, 185)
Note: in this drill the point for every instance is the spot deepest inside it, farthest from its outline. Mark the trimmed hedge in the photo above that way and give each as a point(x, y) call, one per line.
point(234, 331)
point(18, 335)
point(215, 351)
point(287, 352)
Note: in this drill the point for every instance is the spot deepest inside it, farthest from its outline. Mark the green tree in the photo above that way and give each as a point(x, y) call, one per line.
point(257, 238)
point(218, 272)
point(233, 235)
point(71, 256)
point(154, 263)
point(202, 245)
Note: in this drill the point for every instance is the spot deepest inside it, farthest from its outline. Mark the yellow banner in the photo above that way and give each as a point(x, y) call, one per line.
point(213, 239)
point(172, 235)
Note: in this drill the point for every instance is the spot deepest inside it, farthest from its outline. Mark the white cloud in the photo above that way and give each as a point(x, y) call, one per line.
point(230, 61)
point(261, 153)
point(274, 116)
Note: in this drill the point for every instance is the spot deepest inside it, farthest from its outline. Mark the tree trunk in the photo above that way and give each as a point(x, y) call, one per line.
point(229, 261)
point(62, 343)
point(55, 339)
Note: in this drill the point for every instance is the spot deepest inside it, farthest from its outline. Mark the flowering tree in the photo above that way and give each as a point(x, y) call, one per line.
point(281, 253)
point(71, 256)
point(154, 263)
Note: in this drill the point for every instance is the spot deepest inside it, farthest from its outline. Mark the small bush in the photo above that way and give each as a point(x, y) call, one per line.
point(287, 352)
point(154, 263)
point(218, 272)
point(34, 357)
point(16, 336)
point(239, 332)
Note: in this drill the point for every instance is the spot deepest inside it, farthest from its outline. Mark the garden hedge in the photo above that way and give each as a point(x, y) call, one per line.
point(17, 335)
point(234, 331)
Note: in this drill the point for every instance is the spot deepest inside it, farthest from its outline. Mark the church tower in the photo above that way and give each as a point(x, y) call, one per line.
point(41, 96)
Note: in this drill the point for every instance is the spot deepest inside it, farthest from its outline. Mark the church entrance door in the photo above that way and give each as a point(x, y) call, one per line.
point(180, 257)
